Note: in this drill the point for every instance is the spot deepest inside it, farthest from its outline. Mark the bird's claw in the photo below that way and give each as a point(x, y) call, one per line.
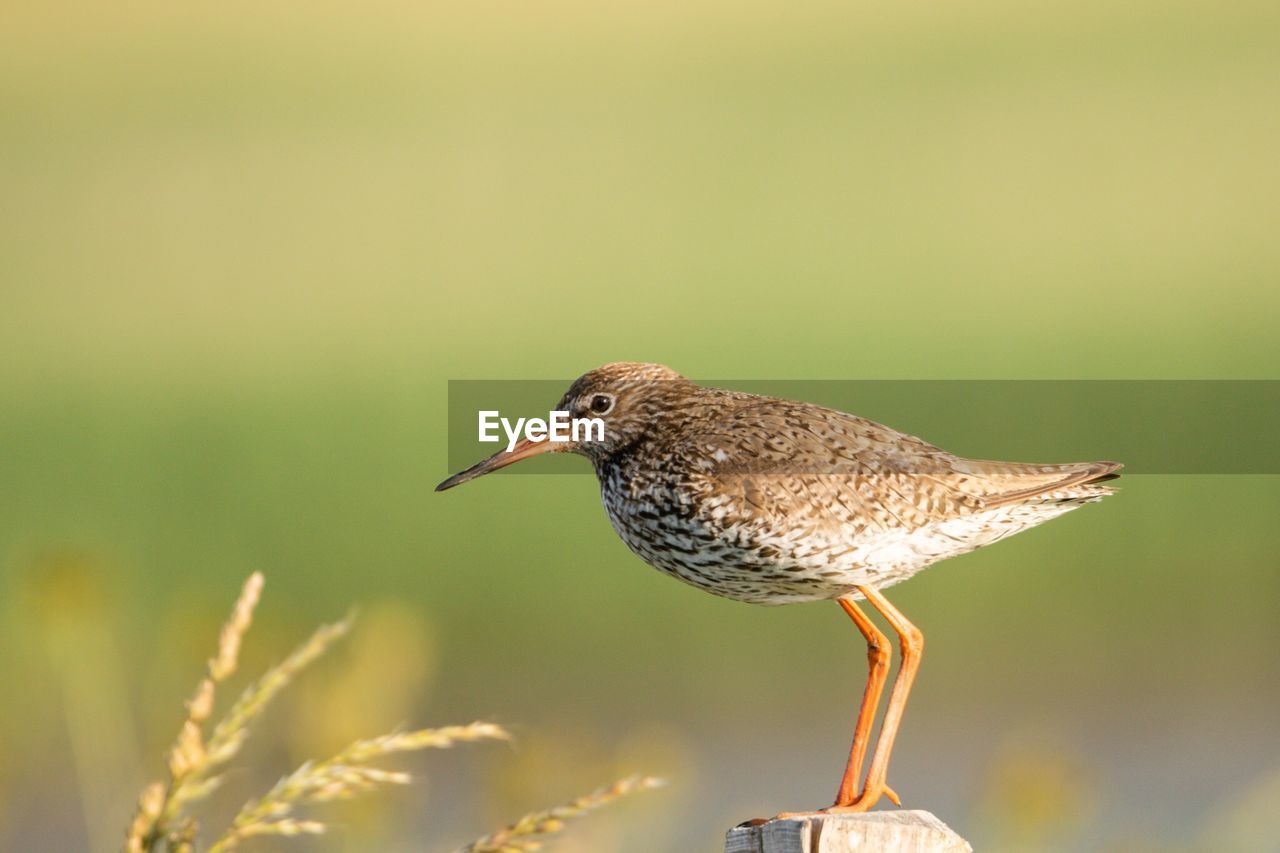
point(862, 804)
point(866, 800)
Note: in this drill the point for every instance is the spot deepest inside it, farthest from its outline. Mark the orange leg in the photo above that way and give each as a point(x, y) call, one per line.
point(911, 642)
point(878, 671)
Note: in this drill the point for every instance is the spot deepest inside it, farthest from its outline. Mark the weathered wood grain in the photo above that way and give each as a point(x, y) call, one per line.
point(891, 832)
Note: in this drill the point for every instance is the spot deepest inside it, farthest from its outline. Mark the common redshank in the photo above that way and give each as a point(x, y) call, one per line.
point(771, 501)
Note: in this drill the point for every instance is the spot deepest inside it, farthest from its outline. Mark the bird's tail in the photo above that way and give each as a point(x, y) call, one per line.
point(1004, 483)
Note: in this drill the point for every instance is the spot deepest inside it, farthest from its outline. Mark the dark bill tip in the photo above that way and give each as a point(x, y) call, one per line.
point(522, 450)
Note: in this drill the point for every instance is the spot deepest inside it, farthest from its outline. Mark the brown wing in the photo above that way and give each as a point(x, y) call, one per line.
point(803, 461)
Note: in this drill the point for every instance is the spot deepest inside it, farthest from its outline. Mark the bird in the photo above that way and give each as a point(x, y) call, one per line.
point(771, 501)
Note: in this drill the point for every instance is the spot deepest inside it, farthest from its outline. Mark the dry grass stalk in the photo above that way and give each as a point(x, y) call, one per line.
point(156, 806)
point(341, 777)
point(192, 760)
point(161, 819)
point(230, 732)
point(527, 833)
point(228, 736)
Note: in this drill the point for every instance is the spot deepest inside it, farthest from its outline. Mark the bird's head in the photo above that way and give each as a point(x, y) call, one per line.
point(626, 398)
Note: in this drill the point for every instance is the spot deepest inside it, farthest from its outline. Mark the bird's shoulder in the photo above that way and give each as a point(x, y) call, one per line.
point(744, 434)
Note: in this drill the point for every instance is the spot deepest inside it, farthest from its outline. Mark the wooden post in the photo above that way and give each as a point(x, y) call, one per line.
point(888, 831)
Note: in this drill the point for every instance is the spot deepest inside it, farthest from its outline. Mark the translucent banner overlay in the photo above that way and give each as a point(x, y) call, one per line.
point(1152, 426)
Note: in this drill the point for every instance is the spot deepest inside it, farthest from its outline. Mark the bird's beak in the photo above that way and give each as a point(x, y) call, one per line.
point(524, 448)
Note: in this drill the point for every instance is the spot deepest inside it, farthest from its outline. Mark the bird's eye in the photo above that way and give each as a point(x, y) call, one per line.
point(601, 404)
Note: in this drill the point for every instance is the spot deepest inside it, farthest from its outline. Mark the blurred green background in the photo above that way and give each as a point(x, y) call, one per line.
point(245, 246)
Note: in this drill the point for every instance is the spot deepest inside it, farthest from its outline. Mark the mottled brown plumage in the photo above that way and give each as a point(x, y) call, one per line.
point(772, 501)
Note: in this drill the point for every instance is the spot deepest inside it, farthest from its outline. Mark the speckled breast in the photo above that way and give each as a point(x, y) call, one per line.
point(671, 522)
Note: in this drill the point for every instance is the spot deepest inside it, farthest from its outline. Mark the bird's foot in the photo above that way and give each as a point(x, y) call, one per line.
point(863, 803)
point(869, 797)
